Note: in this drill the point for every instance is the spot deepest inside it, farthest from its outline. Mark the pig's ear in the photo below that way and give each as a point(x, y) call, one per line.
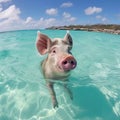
point(43, 43)
point(68, 39)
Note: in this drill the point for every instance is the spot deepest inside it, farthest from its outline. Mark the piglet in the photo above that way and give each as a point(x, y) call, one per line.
point(58, 63)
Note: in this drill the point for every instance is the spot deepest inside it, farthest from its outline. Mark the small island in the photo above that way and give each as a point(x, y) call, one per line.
point(109, 28)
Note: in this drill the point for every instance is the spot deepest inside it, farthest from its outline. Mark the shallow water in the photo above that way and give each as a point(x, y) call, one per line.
point(95, 82)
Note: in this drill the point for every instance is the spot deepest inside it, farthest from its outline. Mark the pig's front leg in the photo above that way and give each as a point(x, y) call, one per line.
point(68, 91)
point(52, 93)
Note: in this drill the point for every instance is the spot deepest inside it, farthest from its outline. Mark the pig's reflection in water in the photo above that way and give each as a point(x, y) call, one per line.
point(58, 63)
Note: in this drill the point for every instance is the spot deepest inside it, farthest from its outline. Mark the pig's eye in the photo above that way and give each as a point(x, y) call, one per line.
point(54, 51)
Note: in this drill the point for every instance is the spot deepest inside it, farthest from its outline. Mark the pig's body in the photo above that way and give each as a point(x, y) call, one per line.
point(59, 62)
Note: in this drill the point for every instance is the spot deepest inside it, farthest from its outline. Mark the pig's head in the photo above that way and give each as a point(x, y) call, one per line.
point(60, 60)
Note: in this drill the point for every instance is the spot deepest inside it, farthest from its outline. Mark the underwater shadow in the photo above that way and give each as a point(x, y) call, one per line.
point(92, 103)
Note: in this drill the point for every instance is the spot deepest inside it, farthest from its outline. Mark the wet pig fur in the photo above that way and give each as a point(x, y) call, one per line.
point(58, 63)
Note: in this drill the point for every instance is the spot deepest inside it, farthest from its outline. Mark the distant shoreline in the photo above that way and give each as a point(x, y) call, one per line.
point(108, 28)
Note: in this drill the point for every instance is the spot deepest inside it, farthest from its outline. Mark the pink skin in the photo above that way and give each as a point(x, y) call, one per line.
point(59, 62)
point(68, 63)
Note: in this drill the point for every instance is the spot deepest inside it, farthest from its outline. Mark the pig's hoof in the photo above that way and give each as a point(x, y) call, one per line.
point(55, 104)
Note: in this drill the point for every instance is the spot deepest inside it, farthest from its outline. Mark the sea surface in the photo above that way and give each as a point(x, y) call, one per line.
point(95, 83)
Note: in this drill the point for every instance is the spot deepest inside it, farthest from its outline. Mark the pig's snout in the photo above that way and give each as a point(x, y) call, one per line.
point(68, 63)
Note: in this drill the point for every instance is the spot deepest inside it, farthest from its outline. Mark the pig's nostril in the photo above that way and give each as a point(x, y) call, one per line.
point(69, 62)
point(65, 62)
point(72, 62)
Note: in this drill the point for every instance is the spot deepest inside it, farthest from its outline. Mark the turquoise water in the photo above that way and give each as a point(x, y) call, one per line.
point(95, 82)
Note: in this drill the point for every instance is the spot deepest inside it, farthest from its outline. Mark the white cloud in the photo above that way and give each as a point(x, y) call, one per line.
point(68, 17)
point(46, 22)
point(4, 1)
point(28, 23)
point(11, 13)
point(1, 2)
point(92, 10)
point(10, 20)
point(51, 11)
point(103, 19)
point(28, 20)
point(72, 19)
point(67, 4)
point(38, 24)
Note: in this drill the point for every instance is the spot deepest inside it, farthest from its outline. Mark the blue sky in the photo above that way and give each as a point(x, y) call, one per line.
point(37, 14)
